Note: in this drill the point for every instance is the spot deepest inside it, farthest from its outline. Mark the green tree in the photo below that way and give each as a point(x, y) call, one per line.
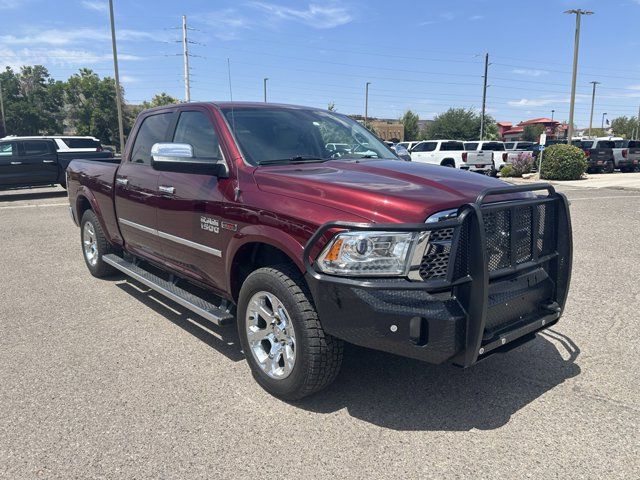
point(459, 124)
point(33, 101)
point(531, 133)
point(160, 100)
point(92, 106)
point(624, 126)
point(410, 122)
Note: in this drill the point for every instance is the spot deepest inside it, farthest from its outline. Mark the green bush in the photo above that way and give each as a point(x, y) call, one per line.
point(563, 162)
point(508, 171)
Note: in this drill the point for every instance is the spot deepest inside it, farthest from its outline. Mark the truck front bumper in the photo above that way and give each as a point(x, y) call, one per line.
point(477, 309)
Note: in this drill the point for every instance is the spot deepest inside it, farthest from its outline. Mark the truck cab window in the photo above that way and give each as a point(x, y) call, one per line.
point(153, 130)
point(6, 149)
point(37, 147)
point(197, 130)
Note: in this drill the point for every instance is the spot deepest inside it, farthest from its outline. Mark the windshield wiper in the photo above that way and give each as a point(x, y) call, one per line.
point(296, 159)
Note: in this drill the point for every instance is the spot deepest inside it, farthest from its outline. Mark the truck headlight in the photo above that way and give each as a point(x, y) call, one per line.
point(367, 254)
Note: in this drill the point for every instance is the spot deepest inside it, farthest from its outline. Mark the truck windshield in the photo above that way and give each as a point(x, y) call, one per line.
point(271, 135)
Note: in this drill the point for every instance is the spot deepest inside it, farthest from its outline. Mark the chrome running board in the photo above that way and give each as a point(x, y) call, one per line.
point(188, 300)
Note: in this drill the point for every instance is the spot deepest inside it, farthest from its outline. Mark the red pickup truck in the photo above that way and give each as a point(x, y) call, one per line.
point(240, 211)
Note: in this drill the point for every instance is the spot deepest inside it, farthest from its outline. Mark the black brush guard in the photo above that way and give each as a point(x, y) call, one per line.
point(464, 316)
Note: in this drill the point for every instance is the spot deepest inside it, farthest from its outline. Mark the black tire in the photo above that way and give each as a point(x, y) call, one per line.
point(448, 163)
point(318, 356)
point(99, 268)
point(609, 167)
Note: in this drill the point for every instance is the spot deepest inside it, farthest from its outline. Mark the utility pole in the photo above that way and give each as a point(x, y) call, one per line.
point(117, 77)
point(602, 126)
point(264, 88)
point(578, 13)
point(552, 112)
point(593, 99)
point(484, 95)
point(638, 129)
point(366, 103)
point(185, 55)
point(3, 130)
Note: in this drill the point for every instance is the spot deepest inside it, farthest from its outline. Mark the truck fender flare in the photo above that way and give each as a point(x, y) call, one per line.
point(269, 236)
point(85, 194)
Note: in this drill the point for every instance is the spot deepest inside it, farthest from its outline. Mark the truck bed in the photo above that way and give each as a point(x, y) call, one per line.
point(95, 178)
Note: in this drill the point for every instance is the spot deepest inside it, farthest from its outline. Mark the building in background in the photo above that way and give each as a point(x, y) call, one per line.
point(386, 128)
point(510, 133)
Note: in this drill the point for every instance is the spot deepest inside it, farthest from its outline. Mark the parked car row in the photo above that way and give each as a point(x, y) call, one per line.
point(36, 161)
point(604, 154)
point(487, 157)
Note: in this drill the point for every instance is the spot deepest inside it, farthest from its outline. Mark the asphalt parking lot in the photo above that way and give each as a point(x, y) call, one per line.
point(101, 379)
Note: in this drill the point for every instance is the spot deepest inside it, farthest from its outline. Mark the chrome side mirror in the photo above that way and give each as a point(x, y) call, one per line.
point(171, 152)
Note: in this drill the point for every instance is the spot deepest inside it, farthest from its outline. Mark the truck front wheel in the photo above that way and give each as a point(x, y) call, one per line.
point(288, 352)
point(94, 245)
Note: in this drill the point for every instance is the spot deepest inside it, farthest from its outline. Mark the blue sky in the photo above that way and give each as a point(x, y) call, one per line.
point(423, 55)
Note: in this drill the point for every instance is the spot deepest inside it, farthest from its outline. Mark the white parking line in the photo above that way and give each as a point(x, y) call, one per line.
point(603, 198)
point(8, 207)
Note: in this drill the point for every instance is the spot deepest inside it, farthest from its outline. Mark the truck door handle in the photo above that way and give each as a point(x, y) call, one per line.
point(48, 161)
point(122, 181)
point(167, 189)
point(16, 163)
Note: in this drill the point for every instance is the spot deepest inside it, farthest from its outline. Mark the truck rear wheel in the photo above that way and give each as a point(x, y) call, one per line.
point(609, 168)
point(94, 245)
point(288, 352)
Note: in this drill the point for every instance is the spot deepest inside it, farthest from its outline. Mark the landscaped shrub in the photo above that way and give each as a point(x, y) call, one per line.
point(563, 162)
point(523, 163)
point(508, 171)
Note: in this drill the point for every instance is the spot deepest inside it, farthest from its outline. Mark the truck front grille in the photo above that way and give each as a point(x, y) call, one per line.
point(514, 235)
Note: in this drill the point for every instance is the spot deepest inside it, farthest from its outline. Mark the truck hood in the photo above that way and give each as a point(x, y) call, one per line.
point(380, 191)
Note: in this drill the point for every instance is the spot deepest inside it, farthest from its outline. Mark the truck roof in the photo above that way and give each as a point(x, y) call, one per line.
point(240, 105)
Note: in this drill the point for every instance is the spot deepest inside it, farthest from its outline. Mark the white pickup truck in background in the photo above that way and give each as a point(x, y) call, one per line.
point(448, 153)
point(488, 151)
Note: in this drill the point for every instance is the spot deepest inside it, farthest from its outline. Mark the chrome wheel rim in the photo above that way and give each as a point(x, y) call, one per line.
point(90, 243)
point(271, 336)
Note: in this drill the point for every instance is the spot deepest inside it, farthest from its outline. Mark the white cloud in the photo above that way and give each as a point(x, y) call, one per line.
point(9, 4)
point(536, 102)
point(634, 87)
point(226, 23)
point(475, 18)
point(321, 16)
point(96, 5)
point(529, 72)
point(56, 37)
point(439, 18)
point(56, 57)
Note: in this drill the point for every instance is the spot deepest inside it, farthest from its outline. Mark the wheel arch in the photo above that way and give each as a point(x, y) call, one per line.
point(253, 252)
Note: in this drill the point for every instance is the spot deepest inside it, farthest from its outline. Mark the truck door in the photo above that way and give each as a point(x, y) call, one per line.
point(136, 188)
point(38, 161)
point(190, 214)
point(10, 169)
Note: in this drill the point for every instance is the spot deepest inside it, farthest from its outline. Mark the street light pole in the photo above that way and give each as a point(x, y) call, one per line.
point(3, 130)
point(602, 126)
point(593, 99)
point(117, 77)
point(264, 88)
point(484, 95)
point(366, 103)
point(552, 112)
point(578, 13)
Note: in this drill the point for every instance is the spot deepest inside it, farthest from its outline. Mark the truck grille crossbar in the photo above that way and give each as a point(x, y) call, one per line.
point(514, 236)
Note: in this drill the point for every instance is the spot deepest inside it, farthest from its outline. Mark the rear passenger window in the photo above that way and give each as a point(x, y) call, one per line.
point(37, 147)
point(6, 149)
point(197, 130)
point(153, 130)
point(451, 146)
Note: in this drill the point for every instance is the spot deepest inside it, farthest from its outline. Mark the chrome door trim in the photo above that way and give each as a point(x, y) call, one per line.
point(167, 189)
point(129, 223)
point(189, 243)
point(173, 238)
